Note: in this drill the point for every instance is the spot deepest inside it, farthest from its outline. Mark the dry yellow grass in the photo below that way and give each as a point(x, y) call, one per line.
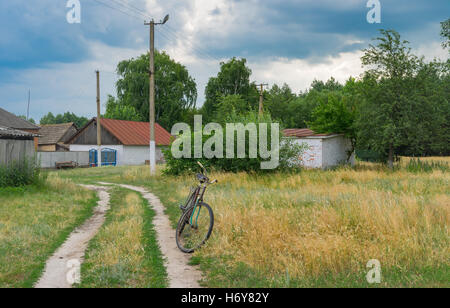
point(122, 237)
point(318, 223)
point(310, 226)
point(321, 222)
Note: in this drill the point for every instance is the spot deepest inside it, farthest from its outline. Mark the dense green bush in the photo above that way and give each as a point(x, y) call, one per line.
point(288, 152)
point(20, 173)
point(370, 156)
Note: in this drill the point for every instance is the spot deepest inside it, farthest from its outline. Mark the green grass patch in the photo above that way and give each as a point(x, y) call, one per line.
point(34, 222)
point(220, 274)
point(21, 173)
point(125, 252)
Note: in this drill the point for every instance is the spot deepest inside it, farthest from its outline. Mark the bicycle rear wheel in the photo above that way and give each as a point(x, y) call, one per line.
point(194, 228)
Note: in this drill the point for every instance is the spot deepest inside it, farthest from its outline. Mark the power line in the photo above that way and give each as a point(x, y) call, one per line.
point(131, 7)
point(170, 38)
point(196, 48)
point(117, 9)
point(132, 11)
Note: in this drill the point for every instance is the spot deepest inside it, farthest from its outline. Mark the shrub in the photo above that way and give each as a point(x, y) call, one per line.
point(21, 173)
point(288, 152)
point(370, 156)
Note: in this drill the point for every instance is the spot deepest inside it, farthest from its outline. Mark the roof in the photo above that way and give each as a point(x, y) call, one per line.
point(131, 133)
point(52, 134)
point(303, 133)
point(6, 132)
point(136, 133)
point(8, 119)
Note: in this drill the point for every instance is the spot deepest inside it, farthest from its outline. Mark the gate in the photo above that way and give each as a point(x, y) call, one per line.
point(109, 157)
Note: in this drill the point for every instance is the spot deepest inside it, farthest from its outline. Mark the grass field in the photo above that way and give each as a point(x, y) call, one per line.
point(316, 228)
point(125, 252)
point(34, 222)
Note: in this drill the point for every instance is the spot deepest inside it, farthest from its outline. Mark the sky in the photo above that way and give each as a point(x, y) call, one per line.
point(284, 41)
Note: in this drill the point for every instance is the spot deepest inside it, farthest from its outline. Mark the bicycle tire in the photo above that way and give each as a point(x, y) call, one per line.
point(184, 222)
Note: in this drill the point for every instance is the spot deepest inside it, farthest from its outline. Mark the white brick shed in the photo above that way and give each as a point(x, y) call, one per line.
point(324, 150)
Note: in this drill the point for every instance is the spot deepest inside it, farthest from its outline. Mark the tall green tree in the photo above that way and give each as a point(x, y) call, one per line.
point(232, 79)
point(384, 118)
point(230, 105)
point(277, 101)
point(445, 33)
point(118, 111)
point(429, 120)
point(67, 117)
point(338, 113)
point(31, 120)
point(176, 90)
point(330, 85)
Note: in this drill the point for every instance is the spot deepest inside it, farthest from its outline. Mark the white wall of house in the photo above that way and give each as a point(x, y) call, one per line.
point(126, 155)
point(137, 155)
point(324, 151)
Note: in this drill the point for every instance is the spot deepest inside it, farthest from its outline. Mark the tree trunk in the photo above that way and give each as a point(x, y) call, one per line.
point(391, 157)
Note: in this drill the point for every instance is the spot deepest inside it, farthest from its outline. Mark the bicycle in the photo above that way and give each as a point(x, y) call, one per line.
point(197, 221)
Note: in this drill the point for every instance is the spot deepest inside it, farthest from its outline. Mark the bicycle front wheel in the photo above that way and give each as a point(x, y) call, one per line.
point(194, 228)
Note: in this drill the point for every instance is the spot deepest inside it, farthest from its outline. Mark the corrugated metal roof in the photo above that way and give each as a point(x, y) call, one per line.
point(14, 133)
point(136, 133)
point(302, 133)
point(52, 134)
point(8, 119)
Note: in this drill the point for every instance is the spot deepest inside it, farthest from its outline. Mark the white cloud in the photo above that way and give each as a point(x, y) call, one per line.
point(61, 87)
point(431, 51)
point(299, 73)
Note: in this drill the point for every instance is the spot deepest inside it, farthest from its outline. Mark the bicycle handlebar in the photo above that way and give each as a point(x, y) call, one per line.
point(203, 178)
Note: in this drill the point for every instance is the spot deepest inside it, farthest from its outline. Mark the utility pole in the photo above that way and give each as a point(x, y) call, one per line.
point(152, 92)
point(99, 130)
point(261, 97)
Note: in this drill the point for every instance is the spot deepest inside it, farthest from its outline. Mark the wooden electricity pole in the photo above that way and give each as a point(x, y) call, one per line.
point(261, 98)
point(152, 99)
point(99, 130)
point(152, 93)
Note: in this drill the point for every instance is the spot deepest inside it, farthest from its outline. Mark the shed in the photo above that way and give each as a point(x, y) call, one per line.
point(324, 150)
point(15, 145)
point(10, 120)
point(126, 141)
point(53, 138)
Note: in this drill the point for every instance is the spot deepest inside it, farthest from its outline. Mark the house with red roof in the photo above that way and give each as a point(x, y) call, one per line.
point(126, 142)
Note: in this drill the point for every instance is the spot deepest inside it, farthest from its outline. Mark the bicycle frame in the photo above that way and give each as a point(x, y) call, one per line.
point(198, 199)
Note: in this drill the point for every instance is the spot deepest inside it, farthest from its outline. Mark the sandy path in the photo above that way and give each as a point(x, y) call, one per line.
point(181, 275)
point(60, 265)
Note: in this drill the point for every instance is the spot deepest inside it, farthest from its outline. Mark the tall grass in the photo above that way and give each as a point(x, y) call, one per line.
point(320, 228)
point(329, 223)
point(34, 221)
point(21, 173)
point(125, 252)
point(416, 165)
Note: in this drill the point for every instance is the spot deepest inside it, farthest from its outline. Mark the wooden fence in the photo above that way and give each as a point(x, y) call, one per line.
point(15, 150)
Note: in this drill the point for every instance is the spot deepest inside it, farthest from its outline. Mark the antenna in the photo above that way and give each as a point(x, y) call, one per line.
point(28, 108)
